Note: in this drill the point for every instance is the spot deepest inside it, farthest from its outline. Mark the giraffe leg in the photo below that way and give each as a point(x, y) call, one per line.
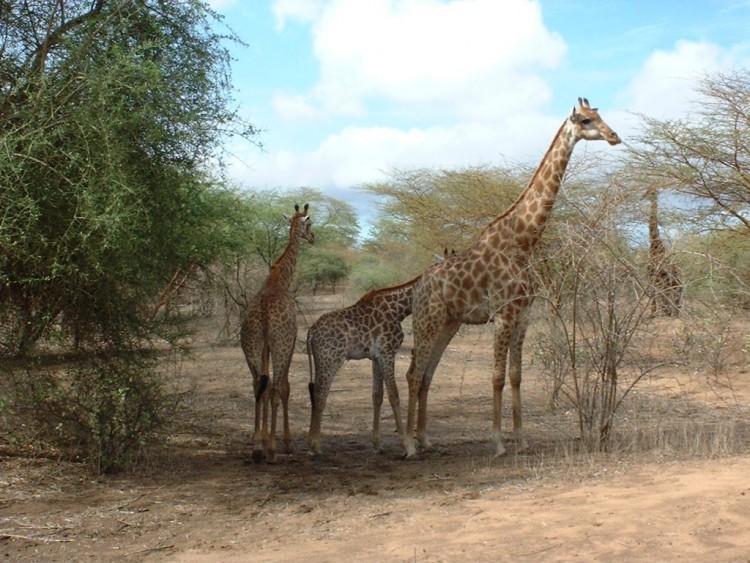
point(413, 381)
point(260, 445)
point(260, 385)
point(271, 435)
point(514, 373)
point(502, 341)
point(284, 393)
point(436, 352)
point(377, 403)
point(281, 353)
point(325, 369)
point(393, 398)
point(260, 390)
point(316, 415)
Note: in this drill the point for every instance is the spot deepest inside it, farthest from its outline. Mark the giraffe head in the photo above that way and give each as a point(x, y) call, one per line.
point(590, 126)
point(301, 224)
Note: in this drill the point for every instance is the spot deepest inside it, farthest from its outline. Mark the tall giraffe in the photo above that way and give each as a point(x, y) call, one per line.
point(490, 281)
point(664, 277)
point(267, 337)
point(370, 328)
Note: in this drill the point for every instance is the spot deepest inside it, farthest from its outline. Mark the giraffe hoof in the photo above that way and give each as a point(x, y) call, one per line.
point(411, 453)
point(258, 456)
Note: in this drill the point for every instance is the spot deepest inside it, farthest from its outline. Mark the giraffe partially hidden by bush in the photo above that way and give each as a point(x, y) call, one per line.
point(371, 329)
point(490, 281)
point(267, 337)
point(663, 275)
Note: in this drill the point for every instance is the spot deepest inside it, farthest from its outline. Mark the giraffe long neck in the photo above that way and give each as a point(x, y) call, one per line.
point(402, 301)
point(653, 221)
point(524, 222)
point(282, 270)
point(656, 245)
point(395, 300)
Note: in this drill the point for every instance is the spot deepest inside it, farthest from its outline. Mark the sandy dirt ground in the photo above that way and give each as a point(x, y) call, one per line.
point(201, 499)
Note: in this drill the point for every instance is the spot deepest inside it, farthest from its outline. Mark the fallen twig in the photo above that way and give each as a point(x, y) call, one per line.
point(6, 536)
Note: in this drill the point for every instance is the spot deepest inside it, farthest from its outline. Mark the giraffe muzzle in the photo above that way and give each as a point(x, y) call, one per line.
point(614, 139)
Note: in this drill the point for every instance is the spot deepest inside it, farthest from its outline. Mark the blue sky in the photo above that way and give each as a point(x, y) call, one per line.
point(346, 90)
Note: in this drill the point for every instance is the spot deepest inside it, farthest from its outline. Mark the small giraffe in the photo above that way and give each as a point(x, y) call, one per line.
point(490, 281)
point(663, 274)
point(267, 337)
point(370, 328)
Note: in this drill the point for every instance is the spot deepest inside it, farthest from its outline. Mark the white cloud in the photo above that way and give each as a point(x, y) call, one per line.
point(469, 67)
point(293, 107)
point(357, 155)
point(665, 86)
point(354, 156)
point(459, 54)
point(303, 10)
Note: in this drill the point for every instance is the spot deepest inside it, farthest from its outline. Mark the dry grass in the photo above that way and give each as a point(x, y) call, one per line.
point(198, 492)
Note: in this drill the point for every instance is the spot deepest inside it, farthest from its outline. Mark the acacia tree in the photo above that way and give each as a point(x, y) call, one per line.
point(112, 115)
point(433, 209)
point(705, 159)
point(704, 156)
point(323, 267)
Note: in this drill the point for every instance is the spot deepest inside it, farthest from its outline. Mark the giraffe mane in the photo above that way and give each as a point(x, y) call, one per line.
point(370, 294)
point(525, 191)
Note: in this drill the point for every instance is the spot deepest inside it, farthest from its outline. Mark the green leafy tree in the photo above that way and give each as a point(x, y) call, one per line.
point(334, 221)
point(112, 115)
point(323, 267)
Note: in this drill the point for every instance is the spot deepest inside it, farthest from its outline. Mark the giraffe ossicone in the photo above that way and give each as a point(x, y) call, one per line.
point(490, 281)
point(267, 337)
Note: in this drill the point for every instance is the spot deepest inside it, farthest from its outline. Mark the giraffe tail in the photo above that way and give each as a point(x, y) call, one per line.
point(311, 385)
point(261, 387)
point(263, 383)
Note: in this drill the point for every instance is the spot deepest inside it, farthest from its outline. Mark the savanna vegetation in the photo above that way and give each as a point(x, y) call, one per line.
point(118, 230)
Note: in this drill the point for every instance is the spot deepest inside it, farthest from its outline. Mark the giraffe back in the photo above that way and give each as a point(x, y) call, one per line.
point(367, 328)
point(473, 284)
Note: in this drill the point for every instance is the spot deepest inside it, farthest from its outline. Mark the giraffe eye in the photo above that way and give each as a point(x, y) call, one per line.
point(585, 121)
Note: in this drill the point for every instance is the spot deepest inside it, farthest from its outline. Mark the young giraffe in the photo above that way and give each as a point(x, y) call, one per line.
point(267, 336)
point(370, 328)
point(490, 281)
point(664, 277)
